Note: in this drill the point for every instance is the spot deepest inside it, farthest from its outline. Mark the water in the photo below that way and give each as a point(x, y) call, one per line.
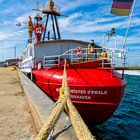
point(125, 123)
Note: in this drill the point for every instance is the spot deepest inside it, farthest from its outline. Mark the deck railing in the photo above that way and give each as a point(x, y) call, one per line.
point(113, 57)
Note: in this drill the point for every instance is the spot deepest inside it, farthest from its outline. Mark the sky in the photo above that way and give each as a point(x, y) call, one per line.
point(87, 20)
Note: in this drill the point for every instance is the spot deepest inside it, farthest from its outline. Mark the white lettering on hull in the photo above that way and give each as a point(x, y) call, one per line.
point(87, 92)
point(80, 97)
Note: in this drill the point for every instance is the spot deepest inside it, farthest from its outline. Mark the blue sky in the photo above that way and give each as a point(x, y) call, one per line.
point(88, 19)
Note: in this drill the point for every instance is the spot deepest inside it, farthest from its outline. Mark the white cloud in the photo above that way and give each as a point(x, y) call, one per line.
point(2, 1)
point(5, 36)
point(81, 23)
point(8, 22)
point(73, 4)
point(24, 17)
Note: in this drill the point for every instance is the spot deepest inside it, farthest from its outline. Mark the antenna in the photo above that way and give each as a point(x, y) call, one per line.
point(37, 7)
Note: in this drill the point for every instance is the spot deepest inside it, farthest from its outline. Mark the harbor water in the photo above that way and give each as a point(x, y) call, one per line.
point(125, 123)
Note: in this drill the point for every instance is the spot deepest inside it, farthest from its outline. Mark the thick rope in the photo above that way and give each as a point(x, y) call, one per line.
point(52, 120)
point(81, 130)
point(55, 115)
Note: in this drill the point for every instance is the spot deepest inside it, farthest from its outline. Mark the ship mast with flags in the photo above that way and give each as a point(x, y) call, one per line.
point(124, 8)
point(40, 30)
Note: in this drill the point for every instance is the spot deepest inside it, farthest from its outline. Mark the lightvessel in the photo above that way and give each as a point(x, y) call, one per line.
point(96, 89)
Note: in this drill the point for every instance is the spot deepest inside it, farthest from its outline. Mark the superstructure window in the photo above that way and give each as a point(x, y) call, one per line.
point(31, 51)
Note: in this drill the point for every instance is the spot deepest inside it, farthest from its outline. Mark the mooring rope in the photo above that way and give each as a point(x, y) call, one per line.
point(82, 131)
point(55, 114)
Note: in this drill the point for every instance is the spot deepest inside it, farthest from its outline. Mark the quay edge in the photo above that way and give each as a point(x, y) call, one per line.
point(41, 106)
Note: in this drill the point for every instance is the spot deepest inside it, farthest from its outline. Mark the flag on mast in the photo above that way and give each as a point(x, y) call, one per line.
point(121, 7)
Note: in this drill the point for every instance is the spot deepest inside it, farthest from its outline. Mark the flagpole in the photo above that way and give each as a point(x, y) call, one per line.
point(126, 36)
point(129, 23)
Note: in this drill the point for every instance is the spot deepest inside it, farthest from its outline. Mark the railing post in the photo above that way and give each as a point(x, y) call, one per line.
point(43, 61)
point(71, 56)
point(87, 54)
point(115, 41)
point(102, 59)
point(58, 60)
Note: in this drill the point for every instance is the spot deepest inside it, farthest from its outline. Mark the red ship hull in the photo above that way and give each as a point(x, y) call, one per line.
point(95, 92)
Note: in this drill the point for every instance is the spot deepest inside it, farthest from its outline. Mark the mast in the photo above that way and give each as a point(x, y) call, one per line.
point(126, 36)
point(37, 27)
point(37, 17)
point(36, 7)
point(30, 29)
point(129, 23)
point(52, 12)
point(15, 52)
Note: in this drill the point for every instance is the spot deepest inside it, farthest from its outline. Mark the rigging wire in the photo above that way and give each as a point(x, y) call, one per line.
point(129, 23)
point(126, 36)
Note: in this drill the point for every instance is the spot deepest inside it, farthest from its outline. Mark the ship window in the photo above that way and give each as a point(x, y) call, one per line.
point(24, 55)
point(31, 51)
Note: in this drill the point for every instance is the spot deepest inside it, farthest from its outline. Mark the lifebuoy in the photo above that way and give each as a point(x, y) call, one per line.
point(104, 55)
point(107, 55)
point(78, 51)
point(92, 50)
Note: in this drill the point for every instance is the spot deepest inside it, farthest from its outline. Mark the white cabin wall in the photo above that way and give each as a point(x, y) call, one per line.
point(46, 49)
point(58, 48)
point(35, 53)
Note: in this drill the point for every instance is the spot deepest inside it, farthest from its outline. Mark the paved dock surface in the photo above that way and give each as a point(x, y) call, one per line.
point(15, 118)
point(41, 107)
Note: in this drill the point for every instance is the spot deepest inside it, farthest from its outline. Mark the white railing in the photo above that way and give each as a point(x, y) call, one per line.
point(106, 40)
point(113, 57)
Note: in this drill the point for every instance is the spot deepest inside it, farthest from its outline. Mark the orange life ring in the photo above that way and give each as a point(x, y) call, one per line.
point(78, 51)
point(104, 55)
point(92, 50)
